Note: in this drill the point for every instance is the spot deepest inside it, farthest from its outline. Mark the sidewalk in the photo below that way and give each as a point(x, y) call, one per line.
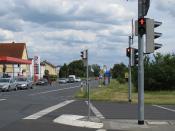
point(131, 125)
point(123, 116)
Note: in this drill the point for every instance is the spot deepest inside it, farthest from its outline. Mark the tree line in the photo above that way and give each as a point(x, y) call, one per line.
point(159, 72)
point(78, 69)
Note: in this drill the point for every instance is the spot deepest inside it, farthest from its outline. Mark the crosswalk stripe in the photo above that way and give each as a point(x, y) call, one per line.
point(2, 99)
point(96, 111)
point(48, 110)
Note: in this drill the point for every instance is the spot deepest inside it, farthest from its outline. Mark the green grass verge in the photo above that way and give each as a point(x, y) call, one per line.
point(119, 93)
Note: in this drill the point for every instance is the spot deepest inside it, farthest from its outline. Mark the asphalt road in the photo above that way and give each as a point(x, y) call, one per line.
point(36, 109)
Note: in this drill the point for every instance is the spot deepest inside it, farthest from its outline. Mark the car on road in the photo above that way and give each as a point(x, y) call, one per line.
point(78, 79)
point(71, 80)
point(62, 80)
point(42, 81)
point(24, 83)
point(7, 84)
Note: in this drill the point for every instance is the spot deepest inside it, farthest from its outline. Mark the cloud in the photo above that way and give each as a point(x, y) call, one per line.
point(166, 5)
point(58, 30)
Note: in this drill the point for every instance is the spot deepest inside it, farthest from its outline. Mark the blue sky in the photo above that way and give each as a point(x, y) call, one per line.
point(57, 30)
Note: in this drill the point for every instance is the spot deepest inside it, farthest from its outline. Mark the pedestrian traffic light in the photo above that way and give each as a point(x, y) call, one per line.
point(128, 52)
point(151, 35)
point(142, 26)
point(134, 58)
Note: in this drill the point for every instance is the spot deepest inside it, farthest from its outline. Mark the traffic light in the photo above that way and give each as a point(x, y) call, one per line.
point(151, 35)
point(140, 26)
point(128, 52)
point(84, 54)
point(134, 58)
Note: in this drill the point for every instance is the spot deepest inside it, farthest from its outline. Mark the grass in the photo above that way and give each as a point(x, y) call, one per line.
point(119, 93)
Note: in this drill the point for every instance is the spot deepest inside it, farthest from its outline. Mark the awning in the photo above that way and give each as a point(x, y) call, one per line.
point(12, 60)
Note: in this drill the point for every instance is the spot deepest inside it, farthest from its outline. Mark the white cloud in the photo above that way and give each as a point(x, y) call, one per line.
point(59, 29)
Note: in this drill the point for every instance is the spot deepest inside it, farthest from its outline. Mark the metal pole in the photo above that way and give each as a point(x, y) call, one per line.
point(87, 67)
point(129, 78)
point(140, 72)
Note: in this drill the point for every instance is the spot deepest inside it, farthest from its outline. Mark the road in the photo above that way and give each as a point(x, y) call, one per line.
point(42, 107)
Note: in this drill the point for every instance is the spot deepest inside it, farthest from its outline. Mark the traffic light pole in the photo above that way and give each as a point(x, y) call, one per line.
point(140, 71)
point(87, 81)
point(129, 77)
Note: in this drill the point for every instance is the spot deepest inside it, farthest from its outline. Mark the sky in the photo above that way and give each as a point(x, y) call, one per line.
point(58, 30)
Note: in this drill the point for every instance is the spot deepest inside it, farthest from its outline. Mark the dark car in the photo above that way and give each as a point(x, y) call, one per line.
point(71, 80)
point(42, 82)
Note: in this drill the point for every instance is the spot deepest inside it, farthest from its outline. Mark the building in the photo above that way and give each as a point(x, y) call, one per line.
point(14, 59)
point(45, 65)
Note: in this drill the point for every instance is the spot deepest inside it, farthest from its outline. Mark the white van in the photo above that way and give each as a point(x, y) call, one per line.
point(72, 78)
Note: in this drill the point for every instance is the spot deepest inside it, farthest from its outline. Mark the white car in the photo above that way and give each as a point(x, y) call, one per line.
point(78, 79)
point(62, 80)
point(7, 84)
point(24, 83)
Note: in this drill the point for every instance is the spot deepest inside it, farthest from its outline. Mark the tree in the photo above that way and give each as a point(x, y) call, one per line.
point(118, 71)
point(159, 72)
point(63, 71)
point(76, 68)
point(94, 70)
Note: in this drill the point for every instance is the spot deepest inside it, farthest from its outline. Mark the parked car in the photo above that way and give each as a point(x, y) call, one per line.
point(62, 80)
point(78, 79)
point(71, 80)
point(24, 83)
point(7, 84)
point(42, 82)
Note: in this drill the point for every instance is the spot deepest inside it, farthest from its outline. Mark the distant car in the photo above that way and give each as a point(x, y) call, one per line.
point(24, 83)
point(62, 80)
point(42, 82)
point(7, 84)
point(71, 80)
point(78, 79)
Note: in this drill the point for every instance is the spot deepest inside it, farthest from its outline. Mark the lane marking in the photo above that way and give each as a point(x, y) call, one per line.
point(45, 92)
point(78, 121)
point(164, 108)
point(96, 111)
point(48, 110)
point(3, 99)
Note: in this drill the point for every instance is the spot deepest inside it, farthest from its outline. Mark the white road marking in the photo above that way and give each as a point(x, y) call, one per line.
point(164, 108)
point(48, 110)
point(2, 99)
point(96, 111)
point(77, 120)
point(45, 92)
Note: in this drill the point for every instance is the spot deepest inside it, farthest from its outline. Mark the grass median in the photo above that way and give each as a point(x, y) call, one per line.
point(117, 92)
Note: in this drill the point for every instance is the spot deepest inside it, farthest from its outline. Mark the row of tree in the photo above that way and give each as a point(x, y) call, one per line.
point(159, 71)
point(77, 68)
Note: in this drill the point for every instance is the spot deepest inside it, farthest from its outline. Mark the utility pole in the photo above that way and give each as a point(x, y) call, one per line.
point(129, 77)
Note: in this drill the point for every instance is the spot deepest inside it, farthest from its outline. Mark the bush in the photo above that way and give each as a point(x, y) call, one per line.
point(159, 73)
point(53, 77)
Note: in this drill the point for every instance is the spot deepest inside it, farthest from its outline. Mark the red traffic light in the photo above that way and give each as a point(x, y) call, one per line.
point(142, 21)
